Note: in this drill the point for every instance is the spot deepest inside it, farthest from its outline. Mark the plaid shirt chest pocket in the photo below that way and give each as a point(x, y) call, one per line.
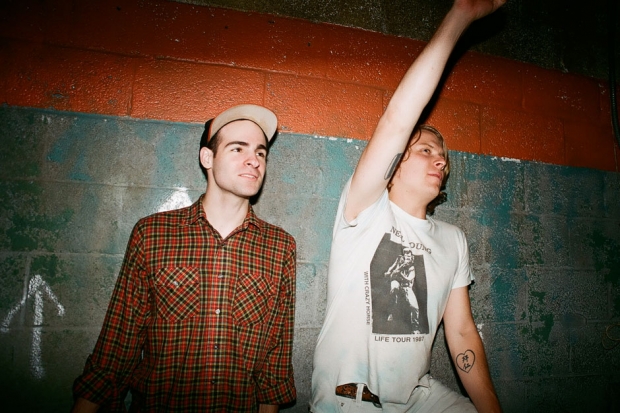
point(178, 293)
point(253, 301)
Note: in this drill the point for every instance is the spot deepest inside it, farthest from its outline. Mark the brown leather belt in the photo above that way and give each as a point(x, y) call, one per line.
point(349, 390)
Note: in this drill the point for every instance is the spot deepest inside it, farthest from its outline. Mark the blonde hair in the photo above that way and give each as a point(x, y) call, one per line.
point(415, 137)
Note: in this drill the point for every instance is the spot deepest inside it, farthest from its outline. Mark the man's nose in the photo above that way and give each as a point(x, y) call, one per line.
point(253, 161)
point(440, 163)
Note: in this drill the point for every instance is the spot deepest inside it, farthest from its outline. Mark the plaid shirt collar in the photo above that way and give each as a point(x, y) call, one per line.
point(196, 212)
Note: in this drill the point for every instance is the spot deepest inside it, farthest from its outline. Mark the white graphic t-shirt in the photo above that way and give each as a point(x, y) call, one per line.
point(390, 276)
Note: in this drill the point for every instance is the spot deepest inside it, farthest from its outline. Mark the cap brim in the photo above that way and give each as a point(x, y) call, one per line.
point(262, 116)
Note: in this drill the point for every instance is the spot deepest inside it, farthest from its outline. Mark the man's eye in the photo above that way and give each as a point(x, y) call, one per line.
point(262, 154)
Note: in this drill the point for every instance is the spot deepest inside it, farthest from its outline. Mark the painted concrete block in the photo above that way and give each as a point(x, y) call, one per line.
point(522, 135)
point(597, 152)
point(543, 240)
point(83, 285)
point(594, 350)
point(498, 295)
point(491, 83)
point(594, 243)
point(614, 301)
point(611, 188)
point(305, 178)
point(502, 237)
point(557, 292)
point(40, 378)
point(58, 216)
point(123, 152)
point(306, 291)
point(26, 223)
point(139, 202)
point(504, 355)
point(511, 394)
point(81, 80)
point(476, 183)
point(308, 220)
point(13, 267)
point(458, 122)
point(543, 347)
point(311, 166)
point(182, 91)
point(570, 394)
point(21, 149)
point(298, 112)
point(304, 344)
point(560, 94)
point(527, 350)
point(565, 191)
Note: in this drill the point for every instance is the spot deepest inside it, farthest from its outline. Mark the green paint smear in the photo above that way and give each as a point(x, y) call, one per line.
point(539, 295)
point(606, 256)
point(37, 232)
point(539, 241)
point(19, 147)
point(28, 228)
point(541, 334)
point(45, 265)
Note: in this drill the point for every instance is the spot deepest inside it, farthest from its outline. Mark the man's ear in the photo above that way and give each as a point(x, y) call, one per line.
point(206, 157)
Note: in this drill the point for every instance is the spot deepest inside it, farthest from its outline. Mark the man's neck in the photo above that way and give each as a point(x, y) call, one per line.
point(225, 213)
point(409, 203)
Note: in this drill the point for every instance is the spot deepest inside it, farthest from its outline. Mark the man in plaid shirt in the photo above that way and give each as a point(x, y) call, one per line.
point(201, 317)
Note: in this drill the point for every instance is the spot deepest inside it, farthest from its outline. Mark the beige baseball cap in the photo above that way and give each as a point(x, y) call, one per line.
point(262, 116)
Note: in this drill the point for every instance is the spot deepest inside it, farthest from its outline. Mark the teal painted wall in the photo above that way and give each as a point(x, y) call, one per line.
point(545, 246)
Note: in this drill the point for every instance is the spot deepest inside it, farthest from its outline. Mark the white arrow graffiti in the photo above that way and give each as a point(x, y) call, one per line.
point(36, 288)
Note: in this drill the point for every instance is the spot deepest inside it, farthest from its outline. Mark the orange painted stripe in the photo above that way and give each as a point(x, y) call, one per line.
point(459, 121)
point(190, 92)
point(315, 106)
point(67, 79)
point(522, 135)
point(178, 62)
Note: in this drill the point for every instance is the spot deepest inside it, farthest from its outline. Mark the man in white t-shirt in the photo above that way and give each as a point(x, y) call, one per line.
point(395, 272)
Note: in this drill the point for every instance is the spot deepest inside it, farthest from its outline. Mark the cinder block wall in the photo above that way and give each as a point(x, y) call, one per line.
point(103, 105)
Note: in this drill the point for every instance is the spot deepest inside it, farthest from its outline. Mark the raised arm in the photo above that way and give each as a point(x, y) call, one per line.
point(389, 141)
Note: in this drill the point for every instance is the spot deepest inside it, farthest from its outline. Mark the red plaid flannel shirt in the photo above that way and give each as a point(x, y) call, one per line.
point(197, 322)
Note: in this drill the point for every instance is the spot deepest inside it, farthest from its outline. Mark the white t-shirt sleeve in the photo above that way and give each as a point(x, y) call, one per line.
point(363, 217)
point(464, 274)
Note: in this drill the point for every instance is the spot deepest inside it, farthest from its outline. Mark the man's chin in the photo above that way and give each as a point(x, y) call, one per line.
point(251, 193)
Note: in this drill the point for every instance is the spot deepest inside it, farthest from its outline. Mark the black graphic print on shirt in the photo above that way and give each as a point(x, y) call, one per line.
point(398, 289)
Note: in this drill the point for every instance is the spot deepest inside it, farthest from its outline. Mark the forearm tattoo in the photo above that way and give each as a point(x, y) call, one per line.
point(393, 165)
point(465, 361)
